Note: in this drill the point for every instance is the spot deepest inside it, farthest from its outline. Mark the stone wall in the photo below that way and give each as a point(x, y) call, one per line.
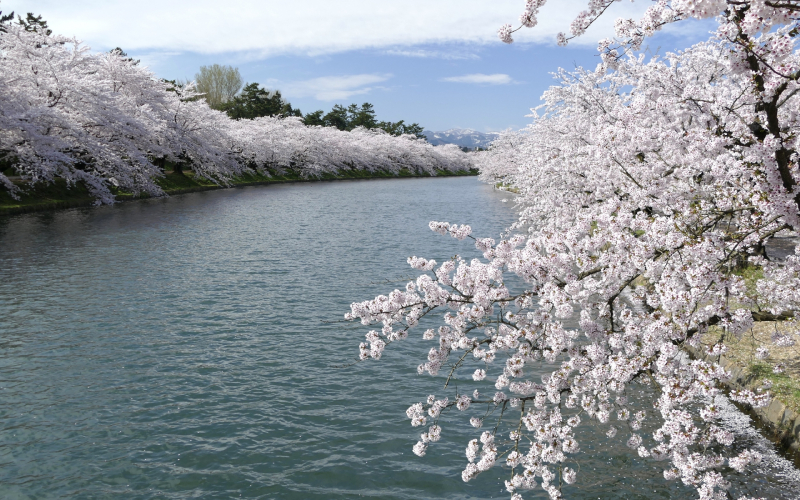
point(781, 423)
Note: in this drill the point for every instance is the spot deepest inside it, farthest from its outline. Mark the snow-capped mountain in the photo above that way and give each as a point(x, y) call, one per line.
point(462, 137)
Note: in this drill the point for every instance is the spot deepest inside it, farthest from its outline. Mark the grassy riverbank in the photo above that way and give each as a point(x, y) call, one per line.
point(58, 195)
point(780, 419)
point(780, 370)
point(742, 352)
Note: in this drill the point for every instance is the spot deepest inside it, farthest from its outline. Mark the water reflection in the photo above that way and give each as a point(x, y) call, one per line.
point(180, 348)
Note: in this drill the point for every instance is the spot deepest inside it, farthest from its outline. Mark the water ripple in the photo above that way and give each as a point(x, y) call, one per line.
point(182, 348)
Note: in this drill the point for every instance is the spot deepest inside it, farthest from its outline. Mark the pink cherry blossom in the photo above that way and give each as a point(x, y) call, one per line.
point(642, 185)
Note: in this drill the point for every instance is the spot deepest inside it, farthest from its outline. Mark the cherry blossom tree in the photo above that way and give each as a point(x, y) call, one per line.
point(106, 122)
point(643, 186)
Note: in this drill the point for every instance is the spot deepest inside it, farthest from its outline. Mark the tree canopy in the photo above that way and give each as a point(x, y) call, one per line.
point(355, 116)
point(108, 123)
point(255, 101)
point(33, 23)
point(219, 83)
point(648, 189)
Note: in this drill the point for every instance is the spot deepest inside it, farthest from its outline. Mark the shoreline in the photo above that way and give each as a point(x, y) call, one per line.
point(776, 421)
point(58, 196)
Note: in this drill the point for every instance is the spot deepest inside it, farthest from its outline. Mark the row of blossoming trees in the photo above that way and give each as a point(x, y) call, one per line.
point(644, 185)
point(102, 120)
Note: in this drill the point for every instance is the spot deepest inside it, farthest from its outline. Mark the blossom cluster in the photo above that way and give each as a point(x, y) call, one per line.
point(103, 120)
point(643, 185)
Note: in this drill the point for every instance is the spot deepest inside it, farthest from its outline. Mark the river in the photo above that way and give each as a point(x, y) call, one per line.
point(188, 347)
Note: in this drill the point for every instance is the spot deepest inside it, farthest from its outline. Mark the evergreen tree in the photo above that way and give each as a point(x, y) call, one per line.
point(314, 118)
point(400, 128)
point(360, 116)
point(288, 110)
point(5, 19)
point(337, 117)
point(255, 101)
point(33, 23)
point(124, 55)
point(363, 116)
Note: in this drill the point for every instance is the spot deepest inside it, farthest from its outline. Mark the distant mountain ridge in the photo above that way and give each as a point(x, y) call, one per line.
point(461, 137)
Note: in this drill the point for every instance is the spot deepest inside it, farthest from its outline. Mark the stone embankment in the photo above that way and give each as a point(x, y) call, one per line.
point(782, 424)
point(59, 195)
point(781, 418)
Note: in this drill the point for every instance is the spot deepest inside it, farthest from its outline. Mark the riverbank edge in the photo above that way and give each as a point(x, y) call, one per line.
point(781, 424)
point(58, 196)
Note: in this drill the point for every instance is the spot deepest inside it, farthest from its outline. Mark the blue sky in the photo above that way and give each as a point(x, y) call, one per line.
point(435, 62)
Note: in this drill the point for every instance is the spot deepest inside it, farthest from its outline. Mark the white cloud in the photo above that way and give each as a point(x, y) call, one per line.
point(332, 88)
point(480, 78)
point(151, 59)
point(269, 27)
point(431, 54)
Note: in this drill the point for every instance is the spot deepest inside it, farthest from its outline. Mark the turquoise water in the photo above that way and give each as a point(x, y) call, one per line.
point(188, 348)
